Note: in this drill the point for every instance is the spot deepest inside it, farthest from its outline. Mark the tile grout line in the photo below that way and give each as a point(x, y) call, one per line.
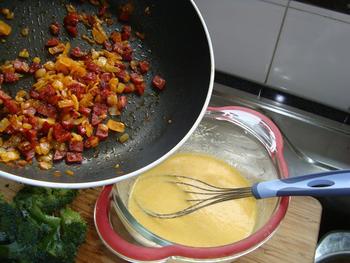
point(322, 15)
point(273, 3)
point(277, 42)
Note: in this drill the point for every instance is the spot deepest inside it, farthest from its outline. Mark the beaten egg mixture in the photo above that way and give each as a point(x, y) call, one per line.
point(216, 225)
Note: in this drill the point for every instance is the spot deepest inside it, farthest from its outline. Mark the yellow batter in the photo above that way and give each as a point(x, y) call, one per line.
point(216, 225)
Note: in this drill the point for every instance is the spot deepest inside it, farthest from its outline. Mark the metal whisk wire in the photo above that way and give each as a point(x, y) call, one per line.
point(216, 195)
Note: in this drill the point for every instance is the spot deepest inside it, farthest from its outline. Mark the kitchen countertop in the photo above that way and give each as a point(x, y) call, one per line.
point(294, 241)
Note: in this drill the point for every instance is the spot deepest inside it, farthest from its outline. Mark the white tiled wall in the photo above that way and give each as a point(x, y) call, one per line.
point(244, 33)
point(311, 58)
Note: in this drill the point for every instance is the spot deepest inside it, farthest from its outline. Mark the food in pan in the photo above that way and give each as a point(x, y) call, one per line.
point(75, 96)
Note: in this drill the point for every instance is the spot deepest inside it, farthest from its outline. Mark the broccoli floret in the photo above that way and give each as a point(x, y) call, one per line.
point(9, 217)
point(23, 247)
point(47, 199)
point(73, 226)
point(68, 237)
point(38, 227)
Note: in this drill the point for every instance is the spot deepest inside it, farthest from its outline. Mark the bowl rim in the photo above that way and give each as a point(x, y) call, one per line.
point(137, 252)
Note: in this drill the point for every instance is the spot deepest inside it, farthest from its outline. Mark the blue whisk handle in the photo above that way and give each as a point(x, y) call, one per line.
point(330, 183)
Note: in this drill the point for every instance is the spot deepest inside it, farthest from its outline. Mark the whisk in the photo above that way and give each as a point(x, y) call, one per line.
point(332, 183)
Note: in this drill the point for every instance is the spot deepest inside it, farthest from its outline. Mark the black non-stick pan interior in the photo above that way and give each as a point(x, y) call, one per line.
point(178, 48)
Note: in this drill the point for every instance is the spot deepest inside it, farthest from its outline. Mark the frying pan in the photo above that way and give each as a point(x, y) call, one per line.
point(178, 46)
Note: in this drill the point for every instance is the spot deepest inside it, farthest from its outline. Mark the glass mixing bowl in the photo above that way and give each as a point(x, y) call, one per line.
point(245, 139)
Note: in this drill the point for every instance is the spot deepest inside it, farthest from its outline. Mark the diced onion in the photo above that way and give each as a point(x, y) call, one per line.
point(123, 138)
point(116, 126)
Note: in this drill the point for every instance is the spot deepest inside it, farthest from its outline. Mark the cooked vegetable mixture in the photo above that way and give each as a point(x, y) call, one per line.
point(67, 108)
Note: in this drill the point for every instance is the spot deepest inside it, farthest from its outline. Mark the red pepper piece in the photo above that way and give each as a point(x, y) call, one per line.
point(158, 82)
point(59, 155)
point(52, 42)
point(76, 146)
point(91, 142)
point(73, 157)
point(144, 66)
point(1, 78)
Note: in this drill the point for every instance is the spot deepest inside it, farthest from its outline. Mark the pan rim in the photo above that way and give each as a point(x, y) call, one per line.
point(113, 180)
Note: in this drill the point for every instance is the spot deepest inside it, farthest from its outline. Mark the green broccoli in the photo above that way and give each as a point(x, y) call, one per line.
point(39, 227)
point(19, 242)
point(73, 229)
point(47, 199)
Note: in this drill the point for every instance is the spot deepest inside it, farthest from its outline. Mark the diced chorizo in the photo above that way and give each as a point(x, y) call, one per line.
point(102, 131)
point(74, 157)
point(158, 82)
point(136, 78)
point(10, 77)
point(59, 155)
point(55, 28)
point(60, 134)
point(76, 146)
point(144, 66)
point(126, 32)
point(52, 42)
